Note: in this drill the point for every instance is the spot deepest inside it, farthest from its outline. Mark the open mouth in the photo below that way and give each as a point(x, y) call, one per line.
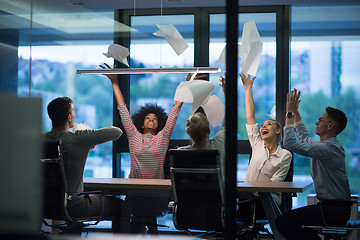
point(264, 131)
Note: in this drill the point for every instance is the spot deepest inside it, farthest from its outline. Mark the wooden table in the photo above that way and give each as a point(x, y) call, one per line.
point(123, 186)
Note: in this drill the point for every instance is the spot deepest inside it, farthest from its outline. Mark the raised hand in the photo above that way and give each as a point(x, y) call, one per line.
point(247, 81)
point(112, 77)
point(292, 100)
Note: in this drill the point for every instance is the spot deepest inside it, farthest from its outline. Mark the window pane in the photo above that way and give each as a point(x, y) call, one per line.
point(150, 51)
point(264, 86)
point(325, 52)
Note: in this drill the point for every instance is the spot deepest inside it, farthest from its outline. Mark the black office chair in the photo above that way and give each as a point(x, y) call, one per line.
point(337, 232)
point(56, 195)
point(286, 198)
point(197, 190)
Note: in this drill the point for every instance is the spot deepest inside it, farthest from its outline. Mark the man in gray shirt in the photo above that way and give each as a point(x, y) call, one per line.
point(76, 148)
point(327, 167)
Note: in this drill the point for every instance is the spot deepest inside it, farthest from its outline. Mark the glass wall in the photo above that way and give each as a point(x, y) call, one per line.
point(50, 45)
point(325, 52)
point(43, 44)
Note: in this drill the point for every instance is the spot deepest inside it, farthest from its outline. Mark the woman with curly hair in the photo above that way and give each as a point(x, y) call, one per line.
point(148, 131)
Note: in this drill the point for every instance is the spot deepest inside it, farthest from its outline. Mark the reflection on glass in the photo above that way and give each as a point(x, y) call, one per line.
point(47, 57)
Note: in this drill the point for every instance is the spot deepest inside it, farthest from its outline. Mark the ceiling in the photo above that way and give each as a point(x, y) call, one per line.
point(71, 21)
point(21, 6)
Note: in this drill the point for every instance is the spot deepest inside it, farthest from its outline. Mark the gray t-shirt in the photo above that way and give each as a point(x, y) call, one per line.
point(76, 148)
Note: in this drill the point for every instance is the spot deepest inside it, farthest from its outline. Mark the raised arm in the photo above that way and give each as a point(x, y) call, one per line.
point(292, 105)
point(249, 101)
point(117, 92)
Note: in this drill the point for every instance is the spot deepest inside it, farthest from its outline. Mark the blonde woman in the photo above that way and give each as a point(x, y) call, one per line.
point(269, 162)
point(197, 127)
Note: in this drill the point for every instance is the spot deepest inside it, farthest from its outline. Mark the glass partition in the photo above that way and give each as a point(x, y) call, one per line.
point(43, 43)
point(50, 43)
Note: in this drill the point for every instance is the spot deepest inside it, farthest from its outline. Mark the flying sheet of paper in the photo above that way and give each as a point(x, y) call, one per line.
point(198, 93)
point(119, 53)
point(249, 50)
point(80, 126)
point(173, 37)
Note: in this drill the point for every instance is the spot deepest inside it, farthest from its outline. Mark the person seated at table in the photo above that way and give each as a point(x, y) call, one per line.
point(328, 171)
point(269, 162)
point(76, 147)
point(148, 131)
point(197, 127)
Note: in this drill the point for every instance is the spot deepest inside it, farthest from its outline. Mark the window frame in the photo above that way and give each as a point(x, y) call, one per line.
point(201, 55)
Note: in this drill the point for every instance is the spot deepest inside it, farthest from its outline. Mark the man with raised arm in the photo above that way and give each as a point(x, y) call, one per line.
point(327, 167)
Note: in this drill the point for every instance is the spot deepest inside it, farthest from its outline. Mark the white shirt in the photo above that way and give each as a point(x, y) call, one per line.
point(263, 165)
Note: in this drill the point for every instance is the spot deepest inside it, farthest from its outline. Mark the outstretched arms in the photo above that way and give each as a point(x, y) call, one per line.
point(249, 101)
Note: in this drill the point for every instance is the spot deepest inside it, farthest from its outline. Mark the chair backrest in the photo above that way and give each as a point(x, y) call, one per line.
point(54, 182)
point(197, 189)
point(286, 198)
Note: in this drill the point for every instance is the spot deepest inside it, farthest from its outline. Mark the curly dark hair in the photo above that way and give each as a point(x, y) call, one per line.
point(139, 116)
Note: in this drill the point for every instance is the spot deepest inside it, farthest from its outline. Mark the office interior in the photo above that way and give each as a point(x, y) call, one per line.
point(313, 46)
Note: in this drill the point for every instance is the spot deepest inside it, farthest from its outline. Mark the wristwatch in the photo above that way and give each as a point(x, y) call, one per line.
point(290, 114)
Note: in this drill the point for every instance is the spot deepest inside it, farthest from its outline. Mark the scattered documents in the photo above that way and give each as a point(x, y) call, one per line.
point(198, 93)
point(119, 53)
point(173, 37)
point(249, 50)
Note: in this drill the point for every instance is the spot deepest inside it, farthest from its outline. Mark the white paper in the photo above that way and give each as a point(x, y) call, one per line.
point(251, 42)
point(249, 50)
point(173, 37)
point(198, 93)
point(222, 57)
point(214, 110)
point(119, 53)
point(80, 126)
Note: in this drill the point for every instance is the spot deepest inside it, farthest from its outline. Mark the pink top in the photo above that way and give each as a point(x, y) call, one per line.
point(147, 152)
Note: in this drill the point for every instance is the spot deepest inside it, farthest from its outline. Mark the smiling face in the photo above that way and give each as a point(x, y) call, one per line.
point(269, 130)
point(150, 124)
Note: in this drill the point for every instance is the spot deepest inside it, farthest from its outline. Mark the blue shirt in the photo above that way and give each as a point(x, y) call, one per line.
point(327, 164)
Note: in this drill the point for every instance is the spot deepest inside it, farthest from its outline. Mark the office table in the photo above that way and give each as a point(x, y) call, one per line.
point(123, 186)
